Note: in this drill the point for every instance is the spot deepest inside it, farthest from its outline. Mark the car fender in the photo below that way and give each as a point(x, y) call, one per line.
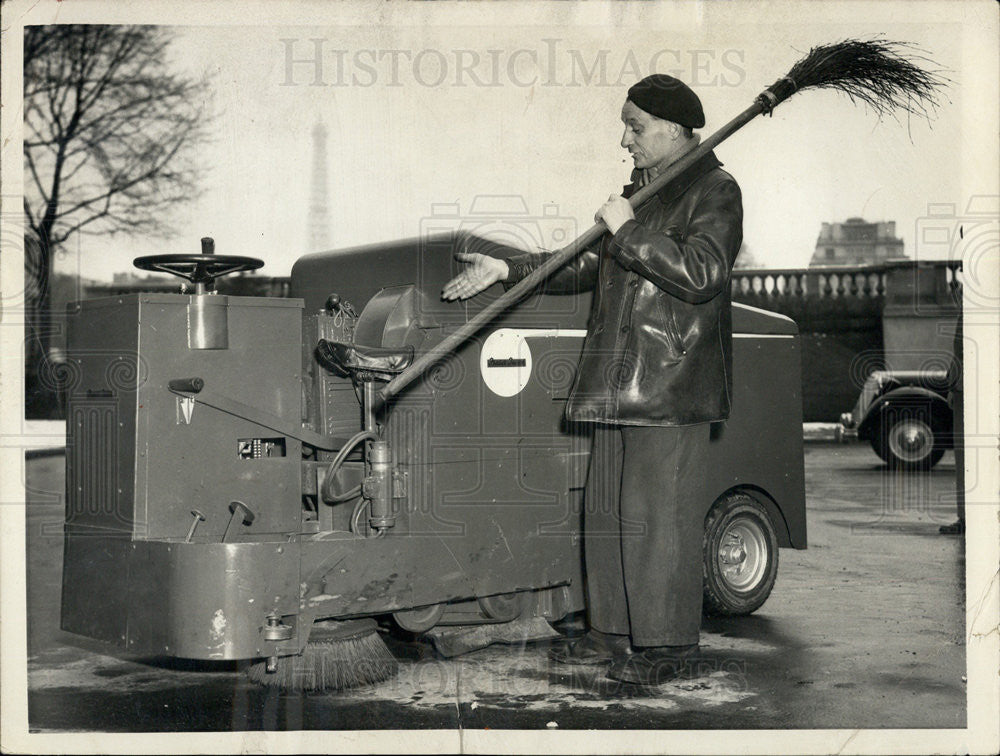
point(906, 396)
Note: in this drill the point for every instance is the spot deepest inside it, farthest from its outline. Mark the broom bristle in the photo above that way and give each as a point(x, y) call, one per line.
point(330, 663)
point(877, 72)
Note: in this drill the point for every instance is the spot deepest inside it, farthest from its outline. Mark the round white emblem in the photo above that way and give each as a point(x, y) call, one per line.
point(505, 362)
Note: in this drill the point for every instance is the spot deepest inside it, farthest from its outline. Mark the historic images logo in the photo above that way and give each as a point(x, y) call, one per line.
point(319, 62)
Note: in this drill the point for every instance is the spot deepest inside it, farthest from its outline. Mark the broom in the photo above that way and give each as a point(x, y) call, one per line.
point(347, 654)
point(871, 71)
point(339, 655)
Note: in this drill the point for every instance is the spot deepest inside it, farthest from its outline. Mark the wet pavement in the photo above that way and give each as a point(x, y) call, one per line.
point(864, 629)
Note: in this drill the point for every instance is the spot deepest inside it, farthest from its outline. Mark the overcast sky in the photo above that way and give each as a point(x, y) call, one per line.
point(527, 103)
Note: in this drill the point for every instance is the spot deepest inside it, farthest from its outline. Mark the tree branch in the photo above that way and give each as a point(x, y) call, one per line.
point(111, 130)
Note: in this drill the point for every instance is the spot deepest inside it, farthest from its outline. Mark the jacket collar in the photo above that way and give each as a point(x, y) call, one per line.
point(679, 185)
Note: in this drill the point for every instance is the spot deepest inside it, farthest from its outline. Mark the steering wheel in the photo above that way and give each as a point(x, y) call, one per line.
point(198, 269)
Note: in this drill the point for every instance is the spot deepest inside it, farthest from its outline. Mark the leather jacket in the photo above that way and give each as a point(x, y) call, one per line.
point(658, 349)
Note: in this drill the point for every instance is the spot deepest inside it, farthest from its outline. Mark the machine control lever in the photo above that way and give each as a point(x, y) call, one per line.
point(188, 385)
point(198, 517)
point(255, 415)
point(334, 305)
point(239, 509)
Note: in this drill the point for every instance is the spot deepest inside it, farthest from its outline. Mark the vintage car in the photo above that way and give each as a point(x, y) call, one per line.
point(906, 415)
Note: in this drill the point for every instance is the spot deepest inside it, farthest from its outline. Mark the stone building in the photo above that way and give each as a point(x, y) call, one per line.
point(857, 242)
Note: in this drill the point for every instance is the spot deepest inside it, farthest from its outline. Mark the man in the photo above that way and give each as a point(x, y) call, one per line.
point(956, 400)
point(654, 373)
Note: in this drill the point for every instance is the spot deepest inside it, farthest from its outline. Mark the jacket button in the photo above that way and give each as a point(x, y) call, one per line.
point(634, 282)
point(610, 283)
point(624, 329)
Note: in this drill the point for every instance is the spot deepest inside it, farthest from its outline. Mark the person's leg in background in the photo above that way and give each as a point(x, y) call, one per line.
point(958, 424)
point(957, 402)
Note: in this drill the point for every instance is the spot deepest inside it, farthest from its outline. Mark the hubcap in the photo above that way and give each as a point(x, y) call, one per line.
point(911, 440)
point(743, 554)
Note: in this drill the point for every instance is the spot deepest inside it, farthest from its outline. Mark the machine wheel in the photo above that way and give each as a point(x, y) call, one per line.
point(908, 439)
point(504, 607)
point(740, 560)
point(419, 620)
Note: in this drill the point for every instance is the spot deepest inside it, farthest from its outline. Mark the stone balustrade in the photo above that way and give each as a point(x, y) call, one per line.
point(833, 282)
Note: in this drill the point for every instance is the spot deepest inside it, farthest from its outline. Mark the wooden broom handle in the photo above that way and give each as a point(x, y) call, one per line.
point(559, 258)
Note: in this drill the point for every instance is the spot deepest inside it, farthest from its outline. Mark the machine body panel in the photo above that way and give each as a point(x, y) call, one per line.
point(141, 463)
point(203, 429)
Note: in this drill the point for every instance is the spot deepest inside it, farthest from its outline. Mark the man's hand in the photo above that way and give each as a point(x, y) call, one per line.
point(614, 213)
point(481, 272)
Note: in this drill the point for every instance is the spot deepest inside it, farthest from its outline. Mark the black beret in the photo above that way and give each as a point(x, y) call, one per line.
point(668, 98)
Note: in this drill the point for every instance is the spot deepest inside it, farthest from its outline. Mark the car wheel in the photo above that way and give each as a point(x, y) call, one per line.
point(878, 446)
point(740, 556)
point(909, 439)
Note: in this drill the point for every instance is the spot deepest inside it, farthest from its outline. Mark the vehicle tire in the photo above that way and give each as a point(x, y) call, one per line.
point(878, 446)
point(909, 439)
point(419, 620)
point(504, 607)
point(740, 556)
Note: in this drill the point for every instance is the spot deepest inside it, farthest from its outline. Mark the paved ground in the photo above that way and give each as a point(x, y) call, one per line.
point(864, 629)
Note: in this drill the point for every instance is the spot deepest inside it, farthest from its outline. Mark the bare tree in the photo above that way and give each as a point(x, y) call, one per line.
point(109, 137)
point(109, 132)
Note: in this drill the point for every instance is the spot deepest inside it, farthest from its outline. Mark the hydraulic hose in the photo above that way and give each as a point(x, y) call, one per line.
point(334, 467)
point(356, 526)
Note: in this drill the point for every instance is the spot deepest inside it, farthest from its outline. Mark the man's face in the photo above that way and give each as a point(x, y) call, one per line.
point(650, 140)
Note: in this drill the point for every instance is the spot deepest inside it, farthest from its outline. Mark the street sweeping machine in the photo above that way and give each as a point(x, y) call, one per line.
point(237, 490)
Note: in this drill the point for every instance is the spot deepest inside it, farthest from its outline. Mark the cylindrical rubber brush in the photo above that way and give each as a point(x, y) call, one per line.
point(339, 655)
